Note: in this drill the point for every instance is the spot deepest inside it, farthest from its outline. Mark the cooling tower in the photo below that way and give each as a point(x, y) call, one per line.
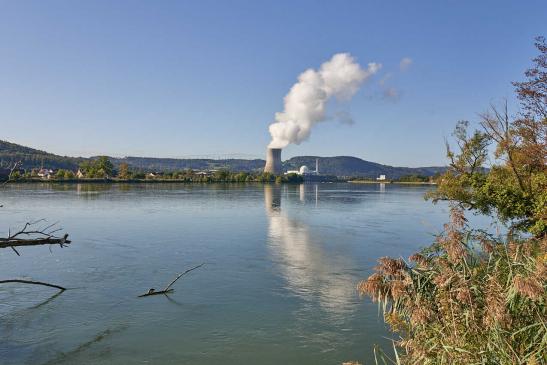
point(273, 161)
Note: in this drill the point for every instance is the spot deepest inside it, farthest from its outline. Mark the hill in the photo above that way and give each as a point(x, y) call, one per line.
point(350, 166)
point(347, 166)
point(172, 164)
point(31, 158)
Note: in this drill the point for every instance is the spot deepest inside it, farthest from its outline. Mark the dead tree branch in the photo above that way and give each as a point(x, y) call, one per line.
point(30, 236)
point(32, 282)
point(10, 175)
point(168, 289)
point(12, 170)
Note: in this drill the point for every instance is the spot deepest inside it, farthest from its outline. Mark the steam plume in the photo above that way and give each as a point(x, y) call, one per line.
point(306, 102)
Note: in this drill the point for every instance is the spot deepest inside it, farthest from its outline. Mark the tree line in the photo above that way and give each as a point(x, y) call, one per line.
point(103, 168)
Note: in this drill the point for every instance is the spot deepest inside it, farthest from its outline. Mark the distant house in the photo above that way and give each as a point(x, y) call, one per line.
point(45, 173)
point(381, 178)
point(79, 174)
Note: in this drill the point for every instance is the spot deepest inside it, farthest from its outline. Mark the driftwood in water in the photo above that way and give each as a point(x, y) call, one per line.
point(32, 282)
point(168, 289)
point(28, 236)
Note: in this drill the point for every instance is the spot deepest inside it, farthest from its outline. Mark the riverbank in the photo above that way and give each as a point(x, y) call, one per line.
point(204, 181)
point(144, 181)
point(391, 182)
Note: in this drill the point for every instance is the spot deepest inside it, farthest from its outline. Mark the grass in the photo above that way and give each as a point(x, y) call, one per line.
point(470, 298)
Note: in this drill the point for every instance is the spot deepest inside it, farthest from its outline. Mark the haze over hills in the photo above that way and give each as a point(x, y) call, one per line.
point(338, 165)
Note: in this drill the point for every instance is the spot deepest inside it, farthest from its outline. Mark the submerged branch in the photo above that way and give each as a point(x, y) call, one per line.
point(33, 282)
point(168, 289)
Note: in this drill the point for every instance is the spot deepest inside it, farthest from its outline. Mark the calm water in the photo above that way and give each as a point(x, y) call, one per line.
point(278, 287)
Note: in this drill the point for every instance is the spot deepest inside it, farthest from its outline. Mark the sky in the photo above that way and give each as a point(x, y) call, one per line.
point(196, 78)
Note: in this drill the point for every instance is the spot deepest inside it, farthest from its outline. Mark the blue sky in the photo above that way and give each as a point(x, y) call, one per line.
point(179, 78)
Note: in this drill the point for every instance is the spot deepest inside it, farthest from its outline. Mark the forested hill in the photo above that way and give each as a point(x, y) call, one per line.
point(338, 166)
point(172, 164)
point(353, 166)
point(32, 158)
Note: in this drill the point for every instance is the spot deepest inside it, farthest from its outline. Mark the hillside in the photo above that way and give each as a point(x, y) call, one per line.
point(172, 164)
point(339, 166)
point(32, 158)
point(354, 167)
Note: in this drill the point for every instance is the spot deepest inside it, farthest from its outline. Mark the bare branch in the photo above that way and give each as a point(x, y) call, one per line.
point(32, 282)
point(168, 289)
point(33, 237)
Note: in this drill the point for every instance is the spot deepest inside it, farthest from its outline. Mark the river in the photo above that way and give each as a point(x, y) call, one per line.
point(278, 286)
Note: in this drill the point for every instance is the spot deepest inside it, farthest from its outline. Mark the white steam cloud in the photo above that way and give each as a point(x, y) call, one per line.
point(306, 102)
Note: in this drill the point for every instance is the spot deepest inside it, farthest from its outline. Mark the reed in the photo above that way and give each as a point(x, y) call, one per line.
point(470, 298)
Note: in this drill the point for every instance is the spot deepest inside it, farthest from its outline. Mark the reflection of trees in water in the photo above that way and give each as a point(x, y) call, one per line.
point(310, 270)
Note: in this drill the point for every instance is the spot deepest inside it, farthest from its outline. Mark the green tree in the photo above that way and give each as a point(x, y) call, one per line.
point(515, 188)
point(104, 166)
point(123, 172)
point(87, 168)
point(60, 174)
point(101, 167)
point(15, 175)
point(471, 297)
point(69, 175)
point(222, 175)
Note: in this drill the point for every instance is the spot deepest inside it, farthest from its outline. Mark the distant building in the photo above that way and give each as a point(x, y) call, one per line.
point(45, 173)
point(381, 178)
point(305, 170)
point(79, 174)
point(292, 172)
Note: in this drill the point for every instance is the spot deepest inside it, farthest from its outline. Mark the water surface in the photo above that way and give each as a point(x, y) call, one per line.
point(278, 287)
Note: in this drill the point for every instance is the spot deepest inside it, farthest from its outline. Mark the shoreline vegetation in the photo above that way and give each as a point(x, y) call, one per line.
point(102, 170)
point(472, 296)
point(391, 182)
point(210, 181)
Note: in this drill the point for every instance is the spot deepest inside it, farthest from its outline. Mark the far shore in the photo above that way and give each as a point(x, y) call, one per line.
point(181, 181)
point(391, 182)
point(141, 181)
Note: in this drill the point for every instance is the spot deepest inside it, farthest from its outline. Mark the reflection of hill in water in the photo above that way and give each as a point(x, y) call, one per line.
point(312, 272)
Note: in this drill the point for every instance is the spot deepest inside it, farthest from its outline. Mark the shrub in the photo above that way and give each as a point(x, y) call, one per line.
point(468, 299)
point(471, 298)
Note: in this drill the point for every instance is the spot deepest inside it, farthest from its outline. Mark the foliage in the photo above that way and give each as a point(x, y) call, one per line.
point(100, 167)
point(64, 175)
point(123, 171)
point(468, 299)
point(293, 178)
point(413, 178)
point(471, 298)
point(515, 188)
point(32, 158)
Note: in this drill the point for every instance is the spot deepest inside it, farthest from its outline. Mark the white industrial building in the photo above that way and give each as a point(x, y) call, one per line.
point(305, 170)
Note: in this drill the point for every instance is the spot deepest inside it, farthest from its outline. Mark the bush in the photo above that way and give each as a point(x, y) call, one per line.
point(468, 299)
point(471, 298)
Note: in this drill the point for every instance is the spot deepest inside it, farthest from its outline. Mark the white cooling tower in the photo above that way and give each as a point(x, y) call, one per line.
point(273, 161)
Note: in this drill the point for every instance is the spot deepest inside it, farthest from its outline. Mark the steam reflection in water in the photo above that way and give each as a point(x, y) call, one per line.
point(310, 271)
